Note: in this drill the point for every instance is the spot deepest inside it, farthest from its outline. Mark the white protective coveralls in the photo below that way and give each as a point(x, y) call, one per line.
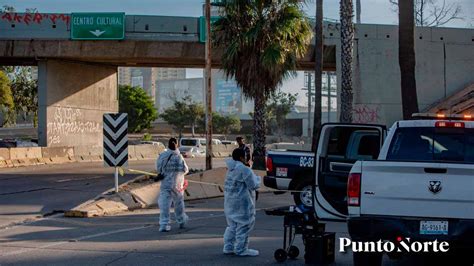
point(171, 189)
point(239, 205)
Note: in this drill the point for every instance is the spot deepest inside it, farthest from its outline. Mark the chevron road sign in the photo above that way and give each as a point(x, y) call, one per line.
point(115, 140)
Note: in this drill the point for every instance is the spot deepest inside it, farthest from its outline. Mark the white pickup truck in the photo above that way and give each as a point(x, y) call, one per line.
point(421, 187)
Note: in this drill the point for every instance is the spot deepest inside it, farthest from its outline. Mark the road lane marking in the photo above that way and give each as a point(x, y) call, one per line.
point(79, 179)
point(30, 249)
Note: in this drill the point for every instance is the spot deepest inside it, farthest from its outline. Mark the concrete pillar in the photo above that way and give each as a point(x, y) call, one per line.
point(72, 97)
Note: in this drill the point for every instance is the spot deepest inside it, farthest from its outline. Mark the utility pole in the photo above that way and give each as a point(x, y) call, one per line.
point(208, 88)
point(310, 95)
point(329, 95)
point(318, 71)
point(358, 11)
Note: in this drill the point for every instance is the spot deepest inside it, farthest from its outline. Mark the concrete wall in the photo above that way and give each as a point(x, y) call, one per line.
point(444, 65)
point(16, 157)
point(72, 99)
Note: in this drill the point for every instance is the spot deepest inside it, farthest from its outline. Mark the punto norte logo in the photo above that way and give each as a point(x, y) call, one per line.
point(402, 245)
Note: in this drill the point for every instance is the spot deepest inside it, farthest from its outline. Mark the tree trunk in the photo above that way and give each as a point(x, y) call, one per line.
point(318, 72)
point(35, 119)
point(347, 41)
point(406, 57)
point(259, 132)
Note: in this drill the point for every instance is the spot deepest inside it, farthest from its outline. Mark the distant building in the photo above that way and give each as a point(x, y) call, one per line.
point(34, 73)
point(125, 76)
point(146, 77)
point(215, 10)
point(170, 73)
point(169, 91)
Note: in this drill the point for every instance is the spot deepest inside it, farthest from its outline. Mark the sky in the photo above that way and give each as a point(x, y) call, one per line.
point(373, 12)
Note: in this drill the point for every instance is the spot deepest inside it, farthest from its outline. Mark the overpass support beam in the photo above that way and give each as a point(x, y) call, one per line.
point(72, 97)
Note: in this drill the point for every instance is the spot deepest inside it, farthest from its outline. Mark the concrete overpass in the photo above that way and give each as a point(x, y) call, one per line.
point(150, 41)
point(78, 79)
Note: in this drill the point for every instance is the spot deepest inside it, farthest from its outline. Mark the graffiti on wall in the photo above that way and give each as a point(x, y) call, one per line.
point(364, 113)
point(69, 121)
point(34, 18)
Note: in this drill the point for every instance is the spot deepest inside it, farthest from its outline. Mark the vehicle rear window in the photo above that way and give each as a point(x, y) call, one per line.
point(188, 142)
point(369, 146)
point(432, 144)
point(340, 139)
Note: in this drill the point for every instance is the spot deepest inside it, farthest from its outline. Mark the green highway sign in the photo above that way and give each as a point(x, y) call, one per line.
point(202, 27)
point(97, 26)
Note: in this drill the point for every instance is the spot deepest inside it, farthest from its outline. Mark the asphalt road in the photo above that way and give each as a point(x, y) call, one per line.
point(133, 238)
point(28, 193)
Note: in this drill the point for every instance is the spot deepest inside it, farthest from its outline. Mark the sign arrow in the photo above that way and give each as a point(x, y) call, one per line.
point(97, 32)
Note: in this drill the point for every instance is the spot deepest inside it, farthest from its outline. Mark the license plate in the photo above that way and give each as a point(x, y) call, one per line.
point(282, 171)
point(433, 227)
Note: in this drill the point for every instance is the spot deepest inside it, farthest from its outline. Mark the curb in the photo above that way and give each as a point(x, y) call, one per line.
point(142, 192)
point(139, 193)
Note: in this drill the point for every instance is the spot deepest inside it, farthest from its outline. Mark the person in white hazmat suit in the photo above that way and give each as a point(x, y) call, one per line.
point(173, 166)
point(239, 205)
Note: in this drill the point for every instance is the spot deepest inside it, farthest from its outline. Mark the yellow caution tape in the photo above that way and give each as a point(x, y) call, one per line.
point(122, 171)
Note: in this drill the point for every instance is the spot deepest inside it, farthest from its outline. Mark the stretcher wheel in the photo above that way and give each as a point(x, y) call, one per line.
point(280, 255)
point(293, 252)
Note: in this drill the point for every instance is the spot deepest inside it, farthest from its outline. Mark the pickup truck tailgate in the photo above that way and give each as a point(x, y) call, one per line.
point(417, 189)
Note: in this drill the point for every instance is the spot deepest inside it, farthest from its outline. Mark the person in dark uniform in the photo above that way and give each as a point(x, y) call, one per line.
point(248, 156)
point(246, 149)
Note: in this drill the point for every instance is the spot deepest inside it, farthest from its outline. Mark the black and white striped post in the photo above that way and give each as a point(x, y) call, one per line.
point(115, 142)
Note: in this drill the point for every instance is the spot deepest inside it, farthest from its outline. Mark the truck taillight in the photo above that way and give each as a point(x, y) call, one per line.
point(449, 124)
point(353, 189)
point(269, 164)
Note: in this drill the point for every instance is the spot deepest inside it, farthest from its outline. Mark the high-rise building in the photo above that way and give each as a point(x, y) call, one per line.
point(125, 76)
point(146, 77)
point(170, 73)
point(215, 10)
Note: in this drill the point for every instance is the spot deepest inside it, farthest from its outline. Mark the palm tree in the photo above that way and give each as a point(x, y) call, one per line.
point(406, 57)
point(261, 41)
point(347, 41)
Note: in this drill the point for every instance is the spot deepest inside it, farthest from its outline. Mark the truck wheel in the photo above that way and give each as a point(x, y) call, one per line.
point(367, 259)
point(304, 197)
